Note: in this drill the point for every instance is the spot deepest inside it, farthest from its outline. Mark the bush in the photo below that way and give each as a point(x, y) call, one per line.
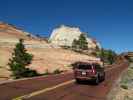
point(124, 86)
point(57, 71)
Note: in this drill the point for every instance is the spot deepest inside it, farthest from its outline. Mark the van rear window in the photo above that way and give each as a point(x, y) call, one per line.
point(97, 66)
point(84, 66)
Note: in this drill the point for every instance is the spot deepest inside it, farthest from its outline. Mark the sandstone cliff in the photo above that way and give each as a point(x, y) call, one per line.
point(64, 36)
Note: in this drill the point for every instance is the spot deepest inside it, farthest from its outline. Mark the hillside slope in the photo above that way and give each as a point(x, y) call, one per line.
point(10, 31)
point(46, 56)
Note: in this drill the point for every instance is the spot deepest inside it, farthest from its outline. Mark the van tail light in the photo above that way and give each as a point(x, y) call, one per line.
point(93, 71)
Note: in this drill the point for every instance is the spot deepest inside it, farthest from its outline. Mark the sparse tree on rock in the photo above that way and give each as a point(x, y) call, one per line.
point(20, 59)
point(107, 56)
point(81, 43)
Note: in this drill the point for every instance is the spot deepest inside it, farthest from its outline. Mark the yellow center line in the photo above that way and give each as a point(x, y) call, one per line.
point(42, 91)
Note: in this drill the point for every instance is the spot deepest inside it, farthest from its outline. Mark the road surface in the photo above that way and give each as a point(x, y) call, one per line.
point(61, 87)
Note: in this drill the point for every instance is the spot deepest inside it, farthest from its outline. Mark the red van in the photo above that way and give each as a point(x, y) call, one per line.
point(88, 71)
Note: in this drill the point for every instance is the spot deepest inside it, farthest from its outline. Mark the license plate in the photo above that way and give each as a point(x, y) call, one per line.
point(83, 73)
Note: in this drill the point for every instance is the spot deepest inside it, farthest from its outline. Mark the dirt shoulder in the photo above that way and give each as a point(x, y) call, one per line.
point(123, 89)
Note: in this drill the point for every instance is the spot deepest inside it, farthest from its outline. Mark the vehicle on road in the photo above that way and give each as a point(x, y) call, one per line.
point(89, 71)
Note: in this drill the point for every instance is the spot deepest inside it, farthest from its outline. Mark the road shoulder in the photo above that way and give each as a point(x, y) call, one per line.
point(123, 89)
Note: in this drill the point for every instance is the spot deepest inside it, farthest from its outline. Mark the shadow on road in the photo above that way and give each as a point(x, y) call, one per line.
point(88, 82)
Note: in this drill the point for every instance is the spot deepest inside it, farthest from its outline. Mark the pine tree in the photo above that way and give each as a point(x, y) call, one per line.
point(80, 44)
point(83, 44)
point(75, 44)
point(20, 59)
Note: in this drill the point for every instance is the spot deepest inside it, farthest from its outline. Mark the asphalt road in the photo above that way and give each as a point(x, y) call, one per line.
point(61, 87)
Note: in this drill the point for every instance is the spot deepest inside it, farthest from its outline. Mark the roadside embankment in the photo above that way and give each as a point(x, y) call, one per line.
point(123, 90)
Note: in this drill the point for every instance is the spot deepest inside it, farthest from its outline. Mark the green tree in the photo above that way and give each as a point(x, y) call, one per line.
point(111, 56)
point(75, 44)
point(107, 56)
point(20, 59)
point(81, 43)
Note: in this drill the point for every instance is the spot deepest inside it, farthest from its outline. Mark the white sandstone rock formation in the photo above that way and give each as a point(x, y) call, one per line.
point(64, 36)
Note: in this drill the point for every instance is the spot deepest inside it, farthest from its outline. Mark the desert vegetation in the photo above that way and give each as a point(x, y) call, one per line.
point(127, 80)
point(107, 56)
point(80, 44)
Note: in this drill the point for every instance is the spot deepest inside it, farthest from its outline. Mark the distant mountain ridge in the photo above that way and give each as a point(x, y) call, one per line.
point(11, 31)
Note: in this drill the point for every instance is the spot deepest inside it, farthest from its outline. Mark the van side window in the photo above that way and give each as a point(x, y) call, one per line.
point(97, 66)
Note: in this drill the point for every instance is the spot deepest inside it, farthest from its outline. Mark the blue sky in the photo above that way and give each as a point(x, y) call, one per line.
point(109, 21)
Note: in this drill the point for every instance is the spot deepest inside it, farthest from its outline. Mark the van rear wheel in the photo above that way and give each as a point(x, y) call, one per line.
point(97, 80)
point(78, 80)
point(103, 77)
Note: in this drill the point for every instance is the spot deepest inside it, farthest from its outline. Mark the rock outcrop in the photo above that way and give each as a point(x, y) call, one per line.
point(64, 36)
point(10, 34)
point(10, 31)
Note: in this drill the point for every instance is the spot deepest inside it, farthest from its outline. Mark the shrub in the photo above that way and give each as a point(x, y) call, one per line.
point(57, 71)
point(124, 86)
